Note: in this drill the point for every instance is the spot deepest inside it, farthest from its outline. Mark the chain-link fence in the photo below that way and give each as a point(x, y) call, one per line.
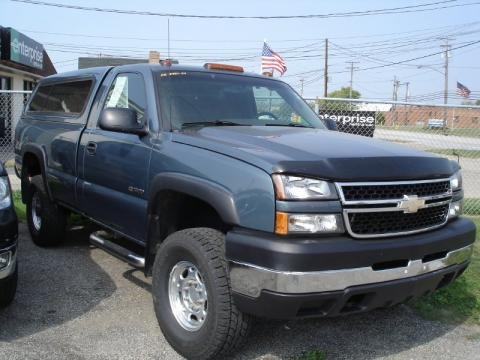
point(11, 107)
point(451, 131)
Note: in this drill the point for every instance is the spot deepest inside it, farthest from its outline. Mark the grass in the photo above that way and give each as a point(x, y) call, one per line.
point(9, 163)
point(471, 206)
point(313, 355)
point(20, 208)
point(474, 133)
point(459, 302)
point(472, 154)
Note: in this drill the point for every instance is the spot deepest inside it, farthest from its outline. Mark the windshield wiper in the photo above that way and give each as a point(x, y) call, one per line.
point(211, 123)
point(292, 124)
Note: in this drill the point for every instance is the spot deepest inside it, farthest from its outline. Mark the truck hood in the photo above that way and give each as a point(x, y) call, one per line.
point(319, 153)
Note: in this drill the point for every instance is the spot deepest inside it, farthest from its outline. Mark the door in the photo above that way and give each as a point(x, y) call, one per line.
point(112, 188)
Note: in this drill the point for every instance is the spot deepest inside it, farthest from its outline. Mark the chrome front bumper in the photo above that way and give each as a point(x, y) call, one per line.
point(9, 268)
point(250, 280)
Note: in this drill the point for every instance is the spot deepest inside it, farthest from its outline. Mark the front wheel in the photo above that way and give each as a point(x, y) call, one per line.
point(192, 298)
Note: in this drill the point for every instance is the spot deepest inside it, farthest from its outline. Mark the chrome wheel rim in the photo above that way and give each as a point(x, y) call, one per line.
point(36, 210)
point(188, 296)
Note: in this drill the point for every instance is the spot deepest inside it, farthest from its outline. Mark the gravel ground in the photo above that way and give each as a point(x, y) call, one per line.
point(77, 302)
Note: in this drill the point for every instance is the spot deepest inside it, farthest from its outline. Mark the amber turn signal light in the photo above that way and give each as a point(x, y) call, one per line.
point(281, 223)
point(226, 67)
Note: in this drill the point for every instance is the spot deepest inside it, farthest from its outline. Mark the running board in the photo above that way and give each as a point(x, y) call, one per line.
point(99, 240)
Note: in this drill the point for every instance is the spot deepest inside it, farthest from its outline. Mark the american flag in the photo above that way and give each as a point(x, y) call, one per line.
point(272, 61)
point(462, 90)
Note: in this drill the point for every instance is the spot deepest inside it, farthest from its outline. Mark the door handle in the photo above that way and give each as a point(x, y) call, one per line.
point(91, 148)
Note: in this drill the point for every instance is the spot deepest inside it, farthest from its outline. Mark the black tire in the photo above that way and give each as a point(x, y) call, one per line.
point(225, 327)
point(51, 230)
point(8, 287)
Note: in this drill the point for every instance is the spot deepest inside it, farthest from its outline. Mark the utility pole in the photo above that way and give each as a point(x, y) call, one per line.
point(301, 89)
point(396, 85)
point(325, 71)
point(351, 67)
point(406, 100)
point(445, 88)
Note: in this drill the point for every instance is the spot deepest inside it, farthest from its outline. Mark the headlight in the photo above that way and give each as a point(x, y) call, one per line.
point(456, 181)
point(299, 188)
point(307, 223)
point(5, 200)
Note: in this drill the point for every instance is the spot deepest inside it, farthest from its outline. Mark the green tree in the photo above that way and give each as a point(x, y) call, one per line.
point(342, 93)
point(471, 102)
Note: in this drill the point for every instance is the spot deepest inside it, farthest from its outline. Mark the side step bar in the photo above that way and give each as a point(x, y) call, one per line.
point(99, 239)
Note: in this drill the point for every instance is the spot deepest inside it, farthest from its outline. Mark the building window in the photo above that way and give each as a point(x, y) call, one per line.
point(5, 83)
point(29, 85)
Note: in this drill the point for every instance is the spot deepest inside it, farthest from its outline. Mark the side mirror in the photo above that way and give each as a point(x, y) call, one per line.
point(121, 120)
point(330, 124)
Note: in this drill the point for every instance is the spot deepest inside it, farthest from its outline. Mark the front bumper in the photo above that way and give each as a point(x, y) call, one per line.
point(9, 253)
point(8, 241)
point(290, 277)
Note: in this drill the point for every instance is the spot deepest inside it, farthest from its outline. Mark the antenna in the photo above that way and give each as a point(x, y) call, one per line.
point(168, 37)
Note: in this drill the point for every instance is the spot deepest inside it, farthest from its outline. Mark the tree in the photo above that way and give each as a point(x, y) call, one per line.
point(344, 93)
point(471, 102)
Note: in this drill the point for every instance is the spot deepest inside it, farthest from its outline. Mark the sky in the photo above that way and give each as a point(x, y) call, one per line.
point(372, 42)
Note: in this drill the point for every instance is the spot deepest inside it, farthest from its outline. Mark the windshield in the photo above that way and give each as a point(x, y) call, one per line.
point(210, 99)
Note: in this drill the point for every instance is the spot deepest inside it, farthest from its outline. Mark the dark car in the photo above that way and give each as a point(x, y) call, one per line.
point(8, 242)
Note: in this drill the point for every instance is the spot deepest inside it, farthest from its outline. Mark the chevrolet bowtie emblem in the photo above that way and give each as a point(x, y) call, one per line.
point(411, 204)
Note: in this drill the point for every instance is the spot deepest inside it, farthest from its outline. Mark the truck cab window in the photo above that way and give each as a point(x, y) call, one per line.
point(128, 91)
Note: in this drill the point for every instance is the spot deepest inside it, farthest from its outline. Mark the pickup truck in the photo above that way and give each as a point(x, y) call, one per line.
point(228, 190)
point(8, 242)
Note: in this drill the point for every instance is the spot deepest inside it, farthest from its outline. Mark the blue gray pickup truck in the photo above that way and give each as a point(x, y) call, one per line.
point(230, 192)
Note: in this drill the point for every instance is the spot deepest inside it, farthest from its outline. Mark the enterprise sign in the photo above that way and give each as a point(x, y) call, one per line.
point(351, 121)
point(24, 50)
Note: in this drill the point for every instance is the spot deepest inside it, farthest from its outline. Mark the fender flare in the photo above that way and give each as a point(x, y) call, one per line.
point(39, 152)
point(213, 194)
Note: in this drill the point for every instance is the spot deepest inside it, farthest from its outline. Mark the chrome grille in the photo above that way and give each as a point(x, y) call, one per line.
point(387, 191)
point(382, 209)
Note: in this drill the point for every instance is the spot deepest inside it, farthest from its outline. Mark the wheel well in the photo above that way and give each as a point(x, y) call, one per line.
point(30, 167)
point(174, 211)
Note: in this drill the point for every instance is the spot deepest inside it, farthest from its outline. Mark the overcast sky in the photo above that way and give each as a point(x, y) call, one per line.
point(370, 41)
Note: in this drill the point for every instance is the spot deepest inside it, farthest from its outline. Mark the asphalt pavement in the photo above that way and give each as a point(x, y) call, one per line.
point(77, 302)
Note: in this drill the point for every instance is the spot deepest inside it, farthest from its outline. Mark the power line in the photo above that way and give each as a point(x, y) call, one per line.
point(395, 10)
point(455, 26)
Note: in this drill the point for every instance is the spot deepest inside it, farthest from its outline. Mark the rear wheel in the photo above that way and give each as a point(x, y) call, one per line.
point(46, 221)
point(192, 297)
point(8, 287)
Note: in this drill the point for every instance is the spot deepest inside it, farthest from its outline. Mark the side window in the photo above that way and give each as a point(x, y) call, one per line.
point(67, 97)
point(128, 91)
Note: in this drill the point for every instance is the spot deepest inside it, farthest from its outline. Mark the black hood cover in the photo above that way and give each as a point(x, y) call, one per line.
point(319, 153)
